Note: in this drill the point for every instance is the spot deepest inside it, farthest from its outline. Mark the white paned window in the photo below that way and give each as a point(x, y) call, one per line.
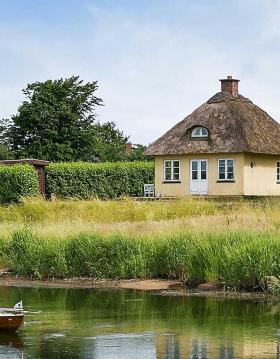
point(278, 171)
point(200, 132)
point(226, 170)
point(171, 170)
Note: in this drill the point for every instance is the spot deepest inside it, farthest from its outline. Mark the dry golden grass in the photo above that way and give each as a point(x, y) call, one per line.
point(127, 216)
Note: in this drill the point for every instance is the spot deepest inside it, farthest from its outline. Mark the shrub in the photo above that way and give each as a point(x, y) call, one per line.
point(16, 182)
point(103, 180)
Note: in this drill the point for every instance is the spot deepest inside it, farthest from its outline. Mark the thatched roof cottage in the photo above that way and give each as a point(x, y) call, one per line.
point(227, 146)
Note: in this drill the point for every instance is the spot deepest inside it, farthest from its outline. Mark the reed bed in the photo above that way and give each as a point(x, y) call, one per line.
point(239, 260)
point(236, 243)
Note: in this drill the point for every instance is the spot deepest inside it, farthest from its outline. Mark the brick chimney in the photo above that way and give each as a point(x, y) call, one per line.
point(230, 85)
point(128, 148)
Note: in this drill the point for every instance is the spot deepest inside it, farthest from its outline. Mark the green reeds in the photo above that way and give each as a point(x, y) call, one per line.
point(239, 260)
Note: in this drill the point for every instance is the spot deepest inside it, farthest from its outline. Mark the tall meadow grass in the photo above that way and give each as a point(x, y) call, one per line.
point(239, 260)
point(98, 211)
point(232, 242)
point(127, 216)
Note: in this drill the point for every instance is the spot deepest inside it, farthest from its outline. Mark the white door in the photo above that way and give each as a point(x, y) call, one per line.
point(199, 177)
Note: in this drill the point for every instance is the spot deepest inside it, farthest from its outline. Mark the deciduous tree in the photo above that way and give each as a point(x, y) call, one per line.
point(54, 120)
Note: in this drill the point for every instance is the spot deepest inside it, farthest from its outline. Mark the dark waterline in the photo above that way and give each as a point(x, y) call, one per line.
point(87, 323)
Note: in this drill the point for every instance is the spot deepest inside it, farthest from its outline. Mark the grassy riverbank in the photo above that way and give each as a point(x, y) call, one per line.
point(239, 260)
point(236, 243)
point(129, 217)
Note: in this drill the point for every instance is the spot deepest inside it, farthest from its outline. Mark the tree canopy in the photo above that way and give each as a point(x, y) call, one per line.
point(57, 122)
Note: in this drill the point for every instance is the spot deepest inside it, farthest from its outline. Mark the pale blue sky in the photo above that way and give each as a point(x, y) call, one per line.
point(155, 60)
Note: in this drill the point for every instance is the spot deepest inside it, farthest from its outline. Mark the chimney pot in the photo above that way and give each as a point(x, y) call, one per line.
point(230, 86)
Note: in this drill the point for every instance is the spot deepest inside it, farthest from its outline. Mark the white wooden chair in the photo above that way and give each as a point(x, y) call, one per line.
point(149, 190)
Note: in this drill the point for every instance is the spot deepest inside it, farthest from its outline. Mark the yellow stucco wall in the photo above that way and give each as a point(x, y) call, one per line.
point(261, 179)
point(214, 188)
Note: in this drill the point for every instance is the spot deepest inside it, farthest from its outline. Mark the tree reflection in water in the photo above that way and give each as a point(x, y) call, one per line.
point(103, 324)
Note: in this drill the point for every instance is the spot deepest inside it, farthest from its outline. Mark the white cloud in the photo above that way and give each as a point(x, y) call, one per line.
point(152, 72)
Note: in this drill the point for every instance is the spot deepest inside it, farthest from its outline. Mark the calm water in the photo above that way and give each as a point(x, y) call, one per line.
point(75, 323)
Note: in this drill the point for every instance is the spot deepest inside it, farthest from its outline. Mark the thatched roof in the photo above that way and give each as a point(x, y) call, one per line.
point(234, 123)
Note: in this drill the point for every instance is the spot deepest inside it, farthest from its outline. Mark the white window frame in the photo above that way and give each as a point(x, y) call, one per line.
point(172, 171)
point(278, 171)
point(226, 179)
point(200, 135)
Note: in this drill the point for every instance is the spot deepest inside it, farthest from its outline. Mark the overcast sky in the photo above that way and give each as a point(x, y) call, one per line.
point(155, 60)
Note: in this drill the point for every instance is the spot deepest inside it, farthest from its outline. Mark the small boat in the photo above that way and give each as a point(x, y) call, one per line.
point(11, 318)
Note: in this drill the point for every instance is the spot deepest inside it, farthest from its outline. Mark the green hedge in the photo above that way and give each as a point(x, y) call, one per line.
point(16, 182)
point(103, 180)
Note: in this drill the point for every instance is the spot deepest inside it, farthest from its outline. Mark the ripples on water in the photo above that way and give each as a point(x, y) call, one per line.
point(100, 324)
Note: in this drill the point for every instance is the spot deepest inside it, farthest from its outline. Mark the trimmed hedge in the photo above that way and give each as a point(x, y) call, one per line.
point(103, 180)
point(16, 182)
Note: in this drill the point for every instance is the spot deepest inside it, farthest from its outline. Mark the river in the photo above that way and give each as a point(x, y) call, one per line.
point(90, 323)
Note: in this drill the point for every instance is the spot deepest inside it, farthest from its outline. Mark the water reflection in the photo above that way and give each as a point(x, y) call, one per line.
point(172, 348)
point(131, 325)
point(150, 346)
point(11, 346)
point(226, 353)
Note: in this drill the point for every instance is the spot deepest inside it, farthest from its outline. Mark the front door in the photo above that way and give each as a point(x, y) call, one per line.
point(199, 177)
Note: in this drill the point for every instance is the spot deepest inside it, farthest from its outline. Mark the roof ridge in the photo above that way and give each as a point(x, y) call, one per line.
point(223, 96)
point(235, 124)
